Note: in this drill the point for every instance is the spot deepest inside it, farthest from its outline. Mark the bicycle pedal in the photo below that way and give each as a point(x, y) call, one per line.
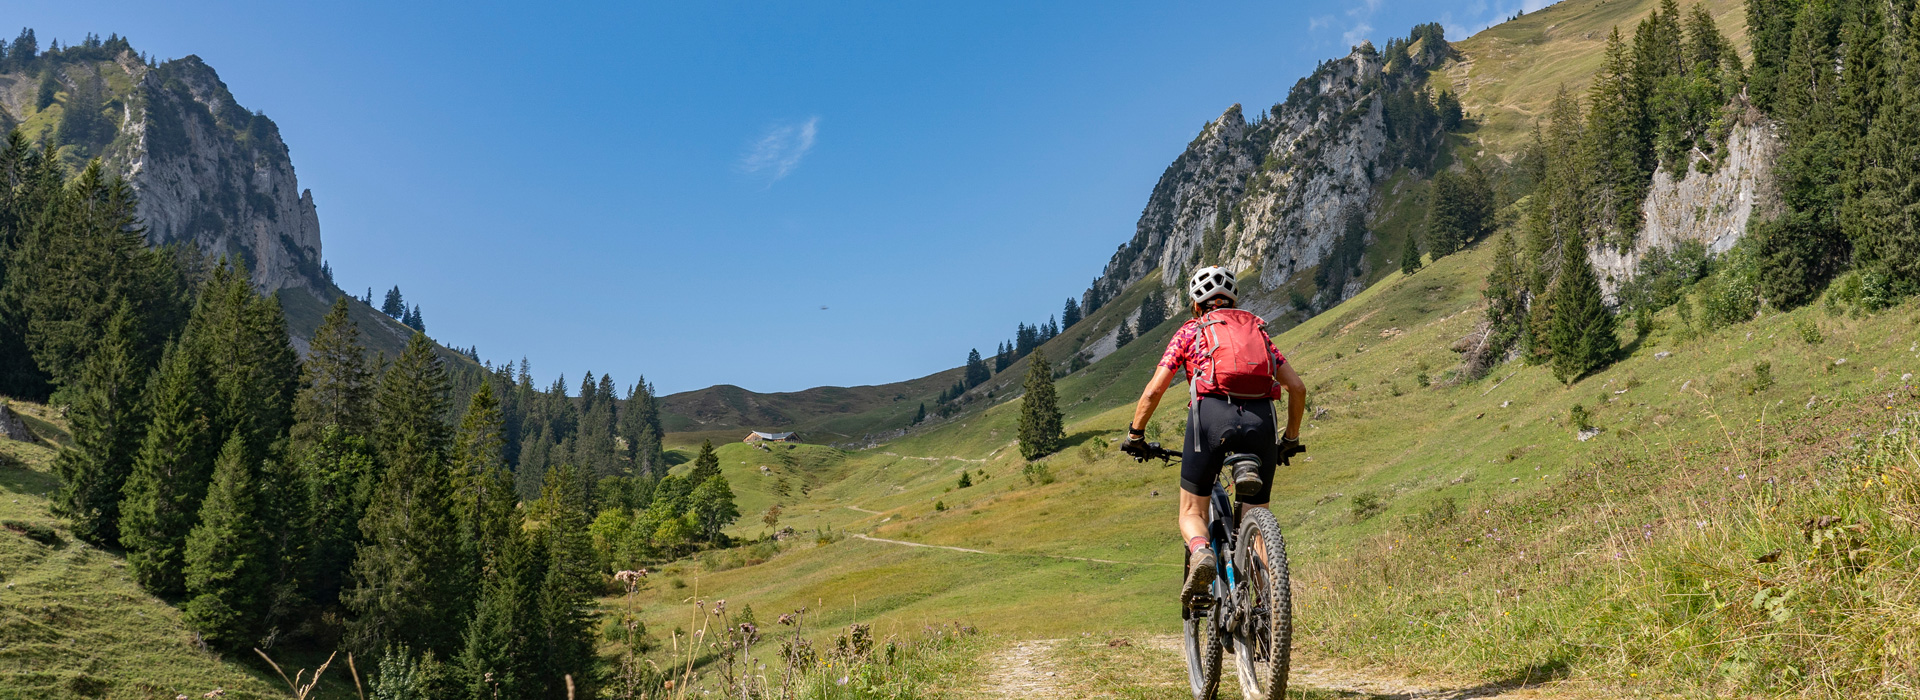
point(1201, 603)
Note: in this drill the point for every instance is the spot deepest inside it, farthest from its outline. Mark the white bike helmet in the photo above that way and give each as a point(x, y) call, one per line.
point(1210, 282)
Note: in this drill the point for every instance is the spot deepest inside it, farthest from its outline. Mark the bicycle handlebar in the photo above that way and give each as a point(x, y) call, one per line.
point(1155, 451)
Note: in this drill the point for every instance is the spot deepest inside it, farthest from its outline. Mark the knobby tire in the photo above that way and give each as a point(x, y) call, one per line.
point(1263, 645)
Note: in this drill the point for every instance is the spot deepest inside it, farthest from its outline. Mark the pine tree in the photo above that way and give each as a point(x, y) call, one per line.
point(920, 414)
point(486, 497)
point(976, 369)
point(1071, 314)
point(1617, 136)
point(503, 646)
point(1449, 215)
point(1041, 428)
point(1506, 298)
point(394, 305)
point(408, 579)
point(565, 592)
point(108, 423)
point(1409, 255)
point(338, 472)
point(706, 465)
point(1582, 329)
point(162, 496)
point(252, 368)
point(1887, 238)
point(226, 564)
point(1153, 312)
point(1124, 335)
point(640, 425)
point(336, 386)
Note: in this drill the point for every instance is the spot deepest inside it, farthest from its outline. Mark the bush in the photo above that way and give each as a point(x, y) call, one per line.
point(1579, 418)
point(940, 506)
point(1761, 380)
point(1664, 276)
point(1366, 505)
point(966, 480)
point(1809, 332)
point(1037, 474)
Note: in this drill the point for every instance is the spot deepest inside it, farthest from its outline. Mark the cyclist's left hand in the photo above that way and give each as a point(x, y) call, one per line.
point(1135, 446)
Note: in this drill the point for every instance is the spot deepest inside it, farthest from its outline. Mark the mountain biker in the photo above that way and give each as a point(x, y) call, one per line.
point(1229, 411)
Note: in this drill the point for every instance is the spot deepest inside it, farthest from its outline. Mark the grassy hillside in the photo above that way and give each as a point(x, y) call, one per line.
point(1437, 526)
point(821, 414)
point(1507, 75)
point(74, 622)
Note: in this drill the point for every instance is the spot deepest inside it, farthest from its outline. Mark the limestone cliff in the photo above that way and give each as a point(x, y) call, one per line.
point(1274, 196)
point(1708, 207)
point(208, 171)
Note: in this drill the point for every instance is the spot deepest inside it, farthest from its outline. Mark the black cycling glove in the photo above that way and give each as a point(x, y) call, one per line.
point(1290, 447)
point(1135, 446)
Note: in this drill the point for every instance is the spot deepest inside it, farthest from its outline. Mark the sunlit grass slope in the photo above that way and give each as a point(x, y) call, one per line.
point(1394, 465)
point(1508, 74)
point(72, 621)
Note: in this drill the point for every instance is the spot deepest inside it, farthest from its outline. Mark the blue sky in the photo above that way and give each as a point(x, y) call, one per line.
point(677, 189)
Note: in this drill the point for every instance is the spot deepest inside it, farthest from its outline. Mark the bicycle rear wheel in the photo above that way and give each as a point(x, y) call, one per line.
point(1263, 642)
point(1200, 639)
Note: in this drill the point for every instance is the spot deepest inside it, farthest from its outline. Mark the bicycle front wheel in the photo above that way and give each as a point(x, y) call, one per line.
point(1263, 643)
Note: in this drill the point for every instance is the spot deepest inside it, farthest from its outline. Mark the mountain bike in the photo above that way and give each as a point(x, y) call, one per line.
point(1248, 611)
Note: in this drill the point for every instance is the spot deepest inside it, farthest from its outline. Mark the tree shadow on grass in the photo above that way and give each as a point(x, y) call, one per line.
point(18, 478)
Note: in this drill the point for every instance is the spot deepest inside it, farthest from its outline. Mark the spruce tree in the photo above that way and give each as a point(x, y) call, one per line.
point(336, 386)
point(408, 578)
point(1041, 426)
point(394, 305)
point(640, 425)
point(1071, 314)
point(1449, 215)
point(339, 475)
point(486, 498)
point(565, 593)
point(162, 496)
point(227, 565)
point(252, 368)
point(1506, 297)
point(1124, 335)
point(504, 644)
point(1153, 312)
point(920, 414)
point(976, 369)
point(706, 465)
point(1409, 255)
point(108, 423)
point(1582, 329)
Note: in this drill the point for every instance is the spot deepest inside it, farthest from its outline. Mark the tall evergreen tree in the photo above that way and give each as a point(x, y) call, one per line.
point(108, 422)
point(336, 386)
point(162, 496)
point(1153, 312)
point(1409, 255)
point(1071, 314)
point(706, 465)
point(394, 305)
point(1617, 137)
point(253, 371)
point(408, 579)
point(486, 497)
point(338, 472)
point(1887, 235)
point(565, 592)
point(227, 566)
point(504, 645)
point(976, 369)
point(1506, 297)
point(1041, 427)
point(1124, 335)
point(1582, 330)
point(640, 425)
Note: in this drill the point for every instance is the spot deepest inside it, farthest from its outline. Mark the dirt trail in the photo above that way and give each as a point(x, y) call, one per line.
point(1025, 671)
point(978, 551)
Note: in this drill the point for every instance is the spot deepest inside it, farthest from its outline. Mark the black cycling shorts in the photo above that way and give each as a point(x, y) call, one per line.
point(1217, 427)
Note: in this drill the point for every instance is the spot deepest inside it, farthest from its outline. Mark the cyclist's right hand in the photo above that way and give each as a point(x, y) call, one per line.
point(1135, 446)
point(1290, 447)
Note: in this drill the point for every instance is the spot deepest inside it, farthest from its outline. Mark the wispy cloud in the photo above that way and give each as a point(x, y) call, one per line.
point(1356, 34)
point(778, 151)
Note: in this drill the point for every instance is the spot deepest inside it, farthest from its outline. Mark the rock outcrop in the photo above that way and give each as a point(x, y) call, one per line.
point(1272, 195)
point(1711, 208)
point(208, 172)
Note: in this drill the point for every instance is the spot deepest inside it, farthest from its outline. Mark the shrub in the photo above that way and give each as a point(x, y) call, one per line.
point(1809, 331)
point(1579, 418)
point(1761, 380)
point(966, 480)
point(1366, 505)
point(1037, 474)
point(940, 505)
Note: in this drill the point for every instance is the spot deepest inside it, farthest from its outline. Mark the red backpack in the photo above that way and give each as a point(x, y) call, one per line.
point(1236, 342)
